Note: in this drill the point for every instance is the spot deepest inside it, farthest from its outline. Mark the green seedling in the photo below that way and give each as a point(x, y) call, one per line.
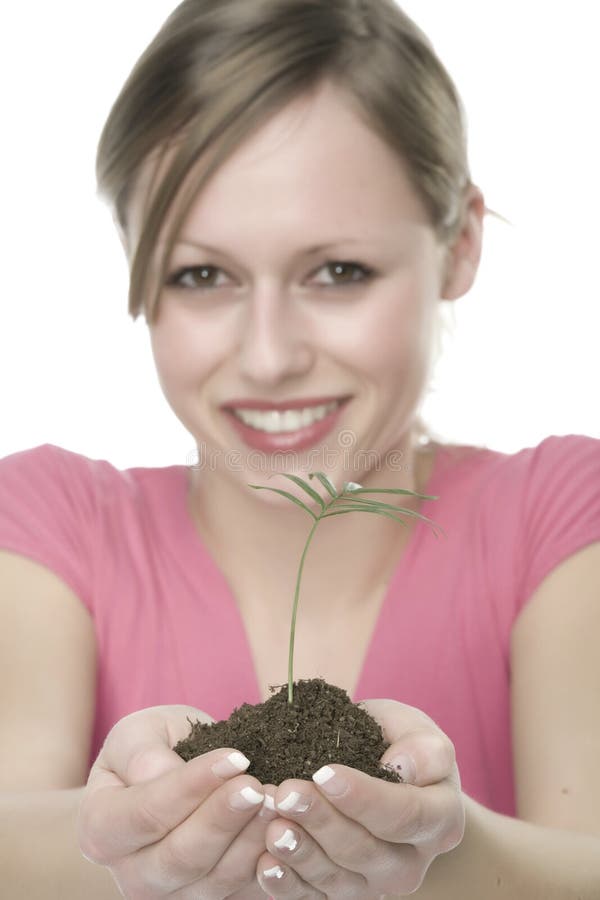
point(350, 499)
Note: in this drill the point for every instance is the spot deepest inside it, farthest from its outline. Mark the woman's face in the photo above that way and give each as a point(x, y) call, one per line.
point(295, 328)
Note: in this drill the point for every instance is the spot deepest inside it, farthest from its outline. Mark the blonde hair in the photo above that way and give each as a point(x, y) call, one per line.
point(216, 71)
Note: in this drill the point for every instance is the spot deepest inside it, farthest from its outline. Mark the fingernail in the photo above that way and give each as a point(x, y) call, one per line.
point(330, 781)
point(288, 840)
point(294, 802)
point(268, 808)
point(405, 766)
point(232, 764)
point(275, 872)
point(246, 798)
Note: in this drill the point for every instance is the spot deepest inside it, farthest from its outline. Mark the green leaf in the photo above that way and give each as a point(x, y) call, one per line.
point(385, 509)
point(392, 491)
point(380, 505)
point(376, 503)
point(306, 487)
point(365, 509)
point(327, 484)
point(263, 487)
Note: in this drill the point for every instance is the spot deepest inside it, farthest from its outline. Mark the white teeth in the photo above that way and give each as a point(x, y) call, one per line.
point(289, 420)
point(306, 417)
point(275, 422)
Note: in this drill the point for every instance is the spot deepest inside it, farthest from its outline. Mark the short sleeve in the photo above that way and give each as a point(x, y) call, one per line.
point(561, 508)
point(48, 513)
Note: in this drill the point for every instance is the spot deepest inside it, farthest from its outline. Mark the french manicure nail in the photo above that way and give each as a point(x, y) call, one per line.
point(288, 840)
point(275, 872)
point(232, 764)
point(330, 781)
point(294, 802)
point(268, 808)
point(246, 798)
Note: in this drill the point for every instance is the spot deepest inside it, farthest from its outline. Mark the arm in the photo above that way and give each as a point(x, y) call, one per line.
point(501, 858)
point(47, 685)
point(40, 858)
point(552, 851)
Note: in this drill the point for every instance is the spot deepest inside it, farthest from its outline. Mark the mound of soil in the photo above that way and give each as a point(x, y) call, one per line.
point(321, 726)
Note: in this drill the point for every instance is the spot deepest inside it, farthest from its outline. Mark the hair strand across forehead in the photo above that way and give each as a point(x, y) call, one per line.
point(216, 72)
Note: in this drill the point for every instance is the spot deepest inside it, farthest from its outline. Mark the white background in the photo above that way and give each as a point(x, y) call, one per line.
point(524, 359)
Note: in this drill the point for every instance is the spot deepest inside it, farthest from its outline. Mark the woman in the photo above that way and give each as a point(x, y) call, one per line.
point(290, 183)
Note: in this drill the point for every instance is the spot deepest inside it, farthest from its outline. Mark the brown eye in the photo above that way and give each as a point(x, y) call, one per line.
point(197, 277)
point(203, 277)
point(345, 273)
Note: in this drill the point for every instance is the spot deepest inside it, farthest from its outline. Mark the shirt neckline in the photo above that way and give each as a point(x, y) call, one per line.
point(226, 612)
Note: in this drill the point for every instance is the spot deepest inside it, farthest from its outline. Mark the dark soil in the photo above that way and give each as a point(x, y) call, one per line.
point(321, 726)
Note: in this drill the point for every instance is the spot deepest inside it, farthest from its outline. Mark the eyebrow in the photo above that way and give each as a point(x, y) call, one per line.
point(308, 250)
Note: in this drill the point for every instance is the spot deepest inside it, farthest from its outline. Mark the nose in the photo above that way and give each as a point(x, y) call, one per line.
point(274, 343)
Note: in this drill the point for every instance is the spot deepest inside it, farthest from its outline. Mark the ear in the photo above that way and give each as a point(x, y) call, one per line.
point(463, 256)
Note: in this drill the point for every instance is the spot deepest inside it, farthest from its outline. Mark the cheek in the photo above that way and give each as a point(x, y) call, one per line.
point(391, 333)
point(183, 350)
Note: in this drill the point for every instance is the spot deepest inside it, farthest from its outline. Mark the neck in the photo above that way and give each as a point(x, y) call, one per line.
point(258, 547)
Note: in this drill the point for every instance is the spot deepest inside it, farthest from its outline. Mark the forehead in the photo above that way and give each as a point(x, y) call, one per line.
point(317, 160)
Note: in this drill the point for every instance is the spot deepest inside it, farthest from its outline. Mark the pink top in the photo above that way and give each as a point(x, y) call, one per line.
point(169, 631)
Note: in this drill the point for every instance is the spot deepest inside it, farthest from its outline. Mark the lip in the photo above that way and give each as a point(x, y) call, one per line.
point(266, 405)
point(302, 439)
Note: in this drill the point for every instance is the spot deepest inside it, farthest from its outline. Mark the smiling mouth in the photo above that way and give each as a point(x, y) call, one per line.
point(288, 420)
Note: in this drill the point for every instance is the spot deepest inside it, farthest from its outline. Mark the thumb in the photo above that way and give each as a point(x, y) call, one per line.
point(419, 750)
point(422, 757)
point(139, 747)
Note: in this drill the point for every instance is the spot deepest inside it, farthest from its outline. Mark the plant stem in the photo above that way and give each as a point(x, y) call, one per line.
point(350, 503)
point(294, 611)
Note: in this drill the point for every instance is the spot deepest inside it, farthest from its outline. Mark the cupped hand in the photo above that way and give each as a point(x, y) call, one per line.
point(164, 827)
point(357, 837)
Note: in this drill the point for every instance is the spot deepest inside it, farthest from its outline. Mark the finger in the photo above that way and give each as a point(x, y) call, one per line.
point(347, 843)
point(419, 750)
point(278, 880)
point(116, 820)
point(295, 848)
point(268, 811)
point(194, 847)
point(375, 835)
point(399, 813)
point(237, 865)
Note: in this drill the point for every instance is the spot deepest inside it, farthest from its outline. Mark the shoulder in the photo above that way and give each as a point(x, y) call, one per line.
point(548, 499)
point(521, 513)
point(561, 487)
point(48, 511)
point(48, 459)
point(561, 457)
point(64, 509)
point(557, 465)
point(55, 468)
point(53, 491)
point(56, 479)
